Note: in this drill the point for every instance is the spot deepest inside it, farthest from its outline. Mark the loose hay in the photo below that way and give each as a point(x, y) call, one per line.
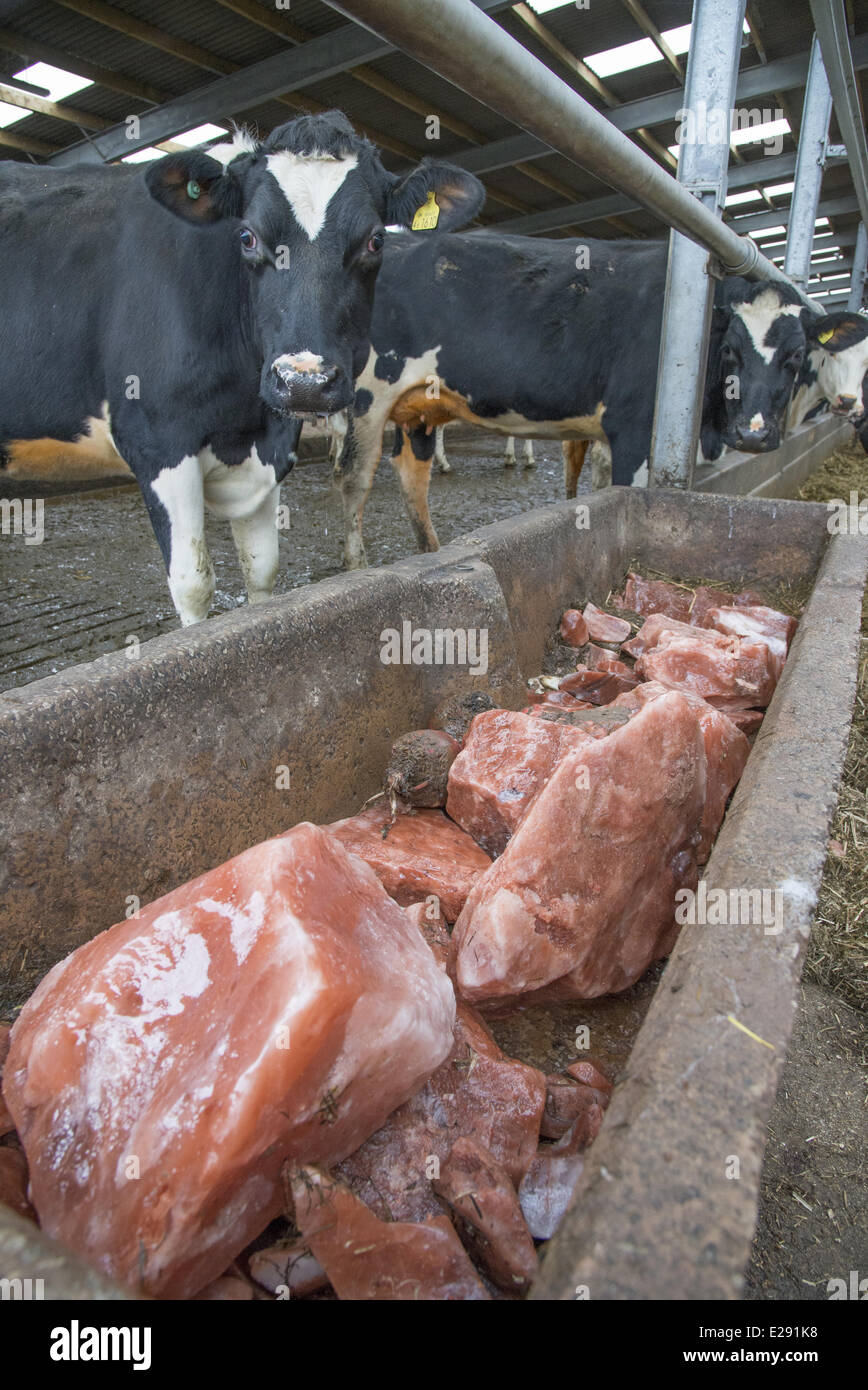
point(838, 953)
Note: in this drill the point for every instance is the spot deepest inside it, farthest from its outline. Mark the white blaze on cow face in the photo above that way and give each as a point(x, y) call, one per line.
point(309, 182)
point(759, 316)
point(840, 376)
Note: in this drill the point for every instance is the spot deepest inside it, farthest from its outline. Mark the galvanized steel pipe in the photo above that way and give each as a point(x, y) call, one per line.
point(466, 47)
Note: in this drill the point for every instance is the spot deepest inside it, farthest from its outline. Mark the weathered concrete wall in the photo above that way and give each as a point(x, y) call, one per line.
point(130, 776)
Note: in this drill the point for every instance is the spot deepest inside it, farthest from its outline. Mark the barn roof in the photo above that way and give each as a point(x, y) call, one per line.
point(170, 61)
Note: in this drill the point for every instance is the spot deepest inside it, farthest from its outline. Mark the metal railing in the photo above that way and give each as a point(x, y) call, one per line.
point(467, 48)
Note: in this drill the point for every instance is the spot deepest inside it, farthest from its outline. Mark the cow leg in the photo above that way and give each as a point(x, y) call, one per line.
point(509, 456)
point(529, 460)
point(630, 457)
point(246, 495)
point(440, 451)
point(338, 439)
point(601, 465)
point(358, 465)
point(574, 451)
point(412, 460)
point(176, 505)
point(257, 543)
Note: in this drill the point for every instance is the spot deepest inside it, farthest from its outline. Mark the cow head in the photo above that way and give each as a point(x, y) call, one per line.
point(308, 209)
point(838, 360)
point(757, 349)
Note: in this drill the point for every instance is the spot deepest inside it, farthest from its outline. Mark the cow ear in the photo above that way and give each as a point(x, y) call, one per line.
point(434, 195)
point(195, 187)
point(835, 332)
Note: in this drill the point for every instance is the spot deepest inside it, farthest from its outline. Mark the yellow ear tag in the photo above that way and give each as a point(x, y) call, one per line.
point(428, 216)
point(824, 337)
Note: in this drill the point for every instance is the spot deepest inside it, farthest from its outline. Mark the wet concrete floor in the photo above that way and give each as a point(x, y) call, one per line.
point(98, 578)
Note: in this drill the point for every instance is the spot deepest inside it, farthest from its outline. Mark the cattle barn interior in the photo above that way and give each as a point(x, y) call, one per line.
point(192, 70)
point(85, 83)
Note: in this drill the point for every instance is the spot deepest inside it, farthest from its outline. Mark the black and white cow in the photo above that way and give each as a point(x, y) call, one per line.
point(834, 368)
point(196, 342)
point(444, 346)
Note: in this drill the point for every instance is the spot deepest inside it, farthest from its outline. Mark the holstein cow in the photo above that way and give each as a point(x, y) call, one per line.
point(834, 368)
point(197, 342)
point(443, 347)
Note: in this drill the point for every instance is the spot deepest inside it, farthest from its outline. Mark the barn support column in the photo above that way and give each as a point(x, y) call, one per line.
point(830, 22)
point(857, 278)
point(810, 160)
point(712, 72)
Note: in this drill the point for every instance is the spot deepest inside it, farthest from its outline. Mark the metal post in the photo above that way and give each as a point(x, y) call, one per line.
point(857, 279)
point(712, 70)
point(830, 22)
point(809, 169)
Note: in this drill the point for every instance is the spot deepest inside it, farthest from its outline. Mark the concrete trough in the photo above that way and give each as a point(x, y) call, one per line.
point(127, 776)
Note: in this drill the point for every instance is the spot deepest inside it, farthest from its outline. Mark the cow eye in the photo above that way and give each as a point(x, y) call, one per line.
point(249, 240)
point(376, 243)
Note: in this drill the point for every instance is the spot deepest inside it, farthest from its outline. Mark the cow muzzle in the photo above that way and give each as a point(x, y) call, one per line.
point(846, 405)
point(304, 384)
point(754, 437)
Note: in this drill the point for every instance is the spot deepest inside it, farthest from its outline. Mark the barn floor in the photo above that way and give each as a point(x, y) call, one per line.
point(98, 576)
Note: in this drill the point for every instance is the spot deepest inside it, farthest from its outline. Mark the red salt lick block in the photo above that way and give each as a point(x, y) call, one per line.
point(738, 675)
point(757, 624)
point(478, 1093)
point(604, 627)
point(584, 892)
point(421, 855)
point(369, 1259)
point(281, 1005)
point(507, 759)
point(726, 752)
point(485, 1203)
point(705, 598)
point(646, 596)
point(573, 628)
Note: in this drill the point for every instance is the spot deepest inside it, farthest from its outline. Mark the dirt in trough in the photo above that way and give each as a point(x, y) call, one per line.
point(98, 578)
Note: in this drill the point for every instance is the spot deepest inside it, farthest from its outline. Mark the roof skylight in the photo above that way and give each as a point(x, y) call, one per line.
point(639, 54)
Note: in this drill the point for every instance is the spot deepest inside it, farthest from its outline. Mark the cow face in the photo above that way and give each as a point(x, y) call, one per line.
point(761, 349)
point(308, 209)
point(838, 359)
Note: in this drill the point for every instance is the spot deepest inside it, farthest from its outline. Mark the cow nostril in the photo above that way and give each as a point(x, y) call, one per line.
point(846, 402)
point(304, 369)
